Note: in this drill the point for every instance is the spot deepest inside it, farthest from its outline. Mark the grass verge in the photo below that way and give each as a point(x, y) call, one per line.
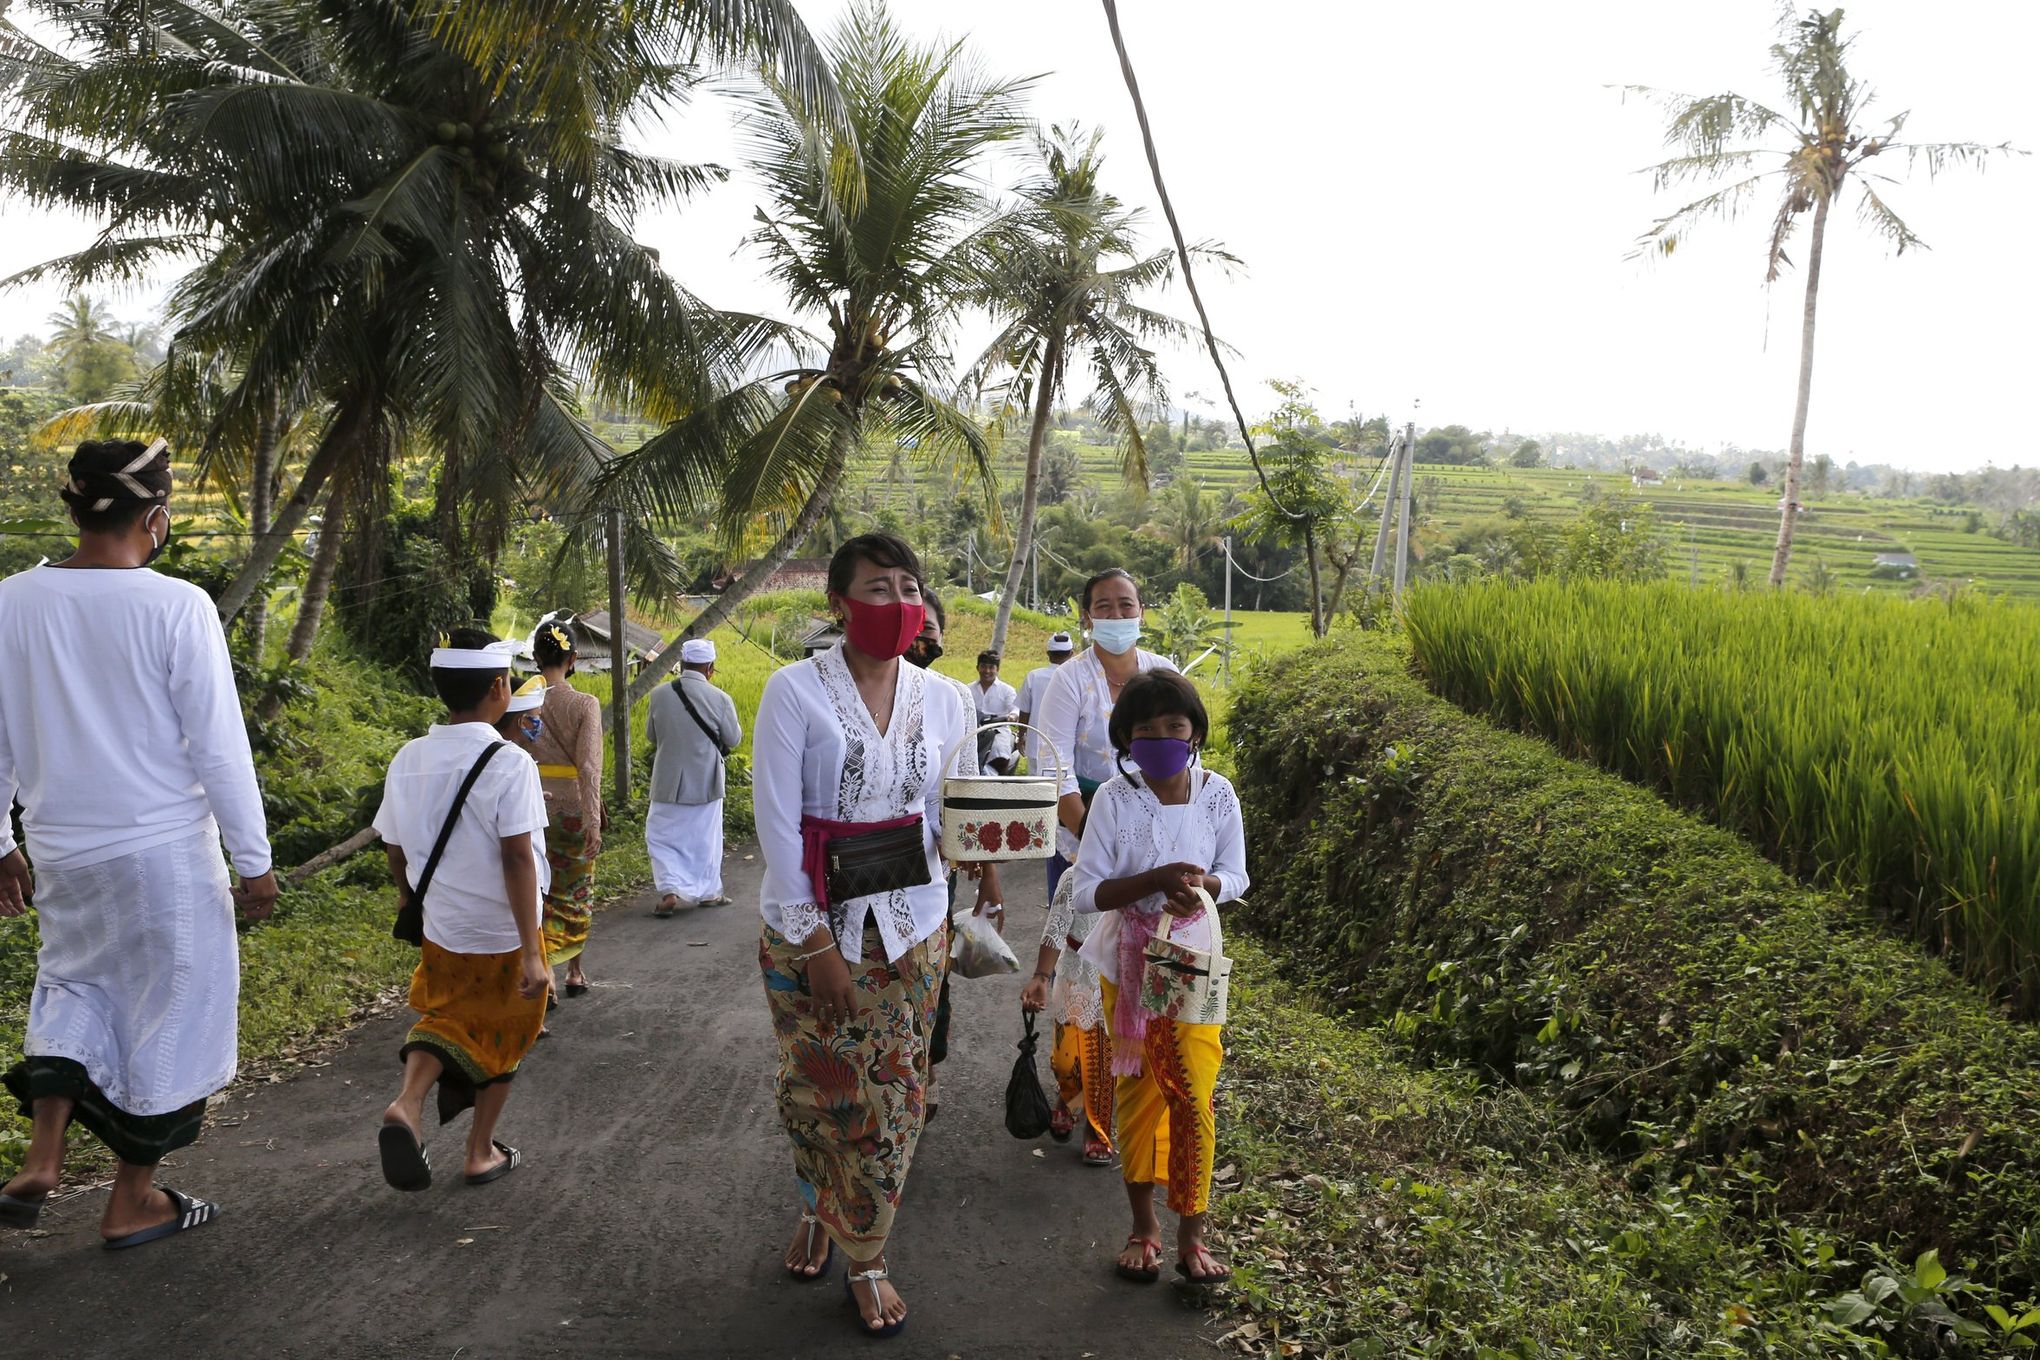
point(1372, 1209)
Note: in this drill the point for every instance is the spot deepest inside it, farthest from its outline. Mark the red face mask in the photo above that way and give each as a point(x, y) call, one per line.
point(883, 630)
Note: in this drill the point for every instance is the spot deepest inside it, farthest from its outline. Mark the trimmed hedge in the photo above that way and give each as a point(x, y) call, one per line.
point(1694, 1009)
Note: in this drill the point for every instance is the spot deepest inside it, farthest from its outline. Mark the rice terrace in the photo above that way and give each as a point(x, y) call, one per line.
point(1159, 680)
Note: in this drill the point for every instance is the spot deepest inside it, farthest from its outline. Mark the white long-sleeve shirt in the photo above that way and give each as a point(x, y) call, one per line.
point(120, 728)
point(816, 751)
point(1130, 831)
point(1076, 717)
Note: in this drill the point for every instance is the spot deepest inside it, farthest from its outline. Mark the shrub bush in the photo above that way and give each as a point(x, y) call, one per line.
point(1694, 1009)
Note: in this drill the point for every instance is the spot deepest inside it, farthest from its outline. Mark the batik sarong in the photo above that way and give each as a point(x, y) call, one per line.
point(853, 1095)
point(1082, 1063)
point(570, 903)
point(140, 1139)
point(473, 1019)
point(1167, 1131)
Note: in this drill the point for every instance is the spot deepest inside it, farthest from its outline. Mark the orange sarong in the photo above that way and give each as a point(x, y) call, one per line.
point(473, 1019)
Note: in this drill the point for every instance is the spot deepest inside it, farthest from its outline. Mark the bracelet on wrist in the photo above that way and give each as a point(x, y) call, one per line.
point(814, 954)
point(1045, 977)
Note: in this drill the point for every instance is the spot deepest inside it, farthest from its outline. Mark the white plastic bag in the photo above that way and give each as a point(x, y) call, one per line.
point(976, 949)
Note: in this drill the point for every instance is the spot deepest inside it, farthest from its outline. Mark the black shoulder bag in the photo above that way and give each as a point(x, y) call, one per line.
point(714, 737)
point(410, 923)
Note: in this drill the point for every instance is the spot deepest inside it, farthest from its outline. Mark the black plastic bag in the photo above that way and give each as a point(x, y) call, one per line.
point(1026, 1103)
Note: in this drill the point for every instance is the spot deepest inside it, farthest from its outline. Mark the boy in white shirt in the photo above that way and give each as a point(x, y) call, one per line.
point(481, 981)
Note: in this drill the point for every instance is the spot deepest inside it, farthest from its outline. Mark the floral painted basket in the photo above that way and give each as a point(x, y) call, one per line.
point(1190, 986)
point(999, 816)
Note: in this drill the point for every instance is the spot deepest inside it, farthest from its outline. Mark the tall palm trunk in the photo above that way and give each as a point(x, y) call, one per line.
point(337, 447)
point(319, 582)
point(744, 587)
point(1789, 517)
point(1030, 494)
point(261, 507)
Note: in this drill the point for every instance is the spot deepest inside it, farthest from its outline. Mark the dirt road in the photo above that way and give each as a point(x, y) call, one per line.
point(648, 1218)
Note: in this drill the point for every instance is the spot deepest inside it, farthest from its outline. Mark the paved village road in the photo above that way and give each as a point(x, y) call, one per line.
point(648, 1217)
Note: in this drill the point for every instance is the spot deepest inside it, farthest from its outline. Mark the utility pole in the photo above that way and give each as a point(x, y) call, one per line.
point(1402, 541)
point(619, 680)
point(1388, 497)
point(1225, 657)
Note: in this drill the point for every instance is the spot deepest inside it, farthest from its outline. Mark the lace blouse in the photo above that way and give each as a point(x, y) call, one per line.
point(816, 750)
point(1130, 832)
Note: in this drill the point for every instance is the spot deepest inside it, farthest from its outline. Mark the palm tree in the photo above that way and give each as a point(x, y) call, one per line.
point(78, 325)
point(1187, 518)
point(1822, 138)
point(418, 216)
point(1067, 296)
point(880, 230)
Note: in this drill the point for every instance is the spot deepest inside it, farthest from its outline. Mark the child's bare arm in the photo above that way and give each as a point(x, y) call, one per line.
point(520, 885)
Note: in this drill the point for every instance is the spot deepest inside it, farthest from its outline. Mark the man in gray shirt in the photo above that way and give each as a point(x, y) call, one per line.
point(692, 727)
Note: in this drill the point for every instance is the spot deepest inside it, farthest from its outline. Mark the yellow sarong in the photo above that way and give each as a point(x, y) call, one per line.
point(473, 1019)
point(1082, 1063)
point(1168, 1134)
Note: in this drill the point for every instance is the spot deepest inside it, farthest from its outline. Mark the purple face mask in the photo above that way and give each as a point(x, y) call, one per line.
point(1161, 757)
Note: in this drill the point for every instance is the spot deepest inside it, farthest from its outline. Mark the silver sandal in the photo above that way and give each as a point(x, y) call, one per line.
point(814, 1225)
point(871, 1277)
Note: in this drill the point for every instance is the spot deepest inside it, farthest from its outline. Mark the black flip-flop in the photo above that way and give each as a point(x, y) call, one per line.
point(1223, 1276)
point(511, 1157)
point(192, 1212)
point(577, 989)
point(406, 1165)
point(16, 1212)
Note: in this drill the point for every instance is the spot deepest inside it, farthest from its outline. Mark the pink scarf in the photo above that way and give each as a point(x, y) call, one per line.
point(1129, 1017)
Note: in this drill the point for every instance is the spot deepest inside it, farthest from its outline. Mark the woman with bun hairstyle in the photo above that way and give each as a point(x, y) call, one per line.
point(849, 748)
point(568, 750)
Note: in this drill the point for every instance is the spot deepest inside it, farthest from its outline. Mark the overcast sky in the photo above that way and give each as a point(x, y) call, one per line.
point(1435, 202)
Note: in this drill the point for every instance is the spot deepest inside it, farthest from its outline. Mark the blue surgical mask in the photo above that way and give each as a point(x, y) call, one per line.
point(1116, 636)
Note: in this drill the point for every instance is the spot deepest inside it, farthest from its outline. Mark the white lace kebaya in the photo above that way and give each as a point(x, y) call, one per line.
point(816, 751)
point(1130, 832)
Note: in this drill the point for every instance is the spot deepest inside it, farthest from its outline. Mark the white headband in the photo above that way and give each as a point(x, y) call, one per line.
point(528, 696)
point(494, 657)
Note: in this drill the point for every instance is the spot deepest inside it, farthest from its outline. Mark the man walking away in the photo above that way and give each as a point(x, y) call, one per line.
point(692, 727)
point(1060, 649)
point(121, 731)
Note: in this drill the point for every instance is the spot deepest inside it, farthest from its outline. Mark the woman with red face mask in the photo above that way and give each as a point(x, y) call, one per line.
point(849, 750)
